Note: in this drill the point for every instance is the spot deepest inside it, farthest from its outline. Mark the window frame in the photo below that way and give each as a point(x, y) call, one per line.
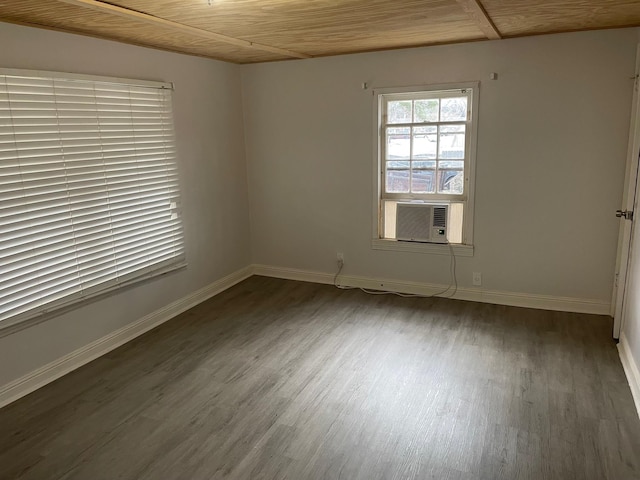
point(381, 96)
point(43, 311)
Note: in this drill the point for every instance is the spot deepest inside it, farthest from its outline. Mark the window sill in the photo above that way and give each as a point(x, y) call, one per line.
point(14, 324)
point(430, 248)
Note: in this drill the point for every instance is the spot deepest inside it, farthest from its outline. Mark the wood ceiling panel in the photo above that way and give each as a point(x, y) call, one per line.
point(60, 16)
point(475, 10)
point(532, 17)
point(322, 27)
point(246, 31)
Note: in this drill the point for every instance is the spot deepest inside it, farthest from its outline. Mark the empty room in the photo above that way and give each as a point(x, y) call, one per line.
point(319, 239)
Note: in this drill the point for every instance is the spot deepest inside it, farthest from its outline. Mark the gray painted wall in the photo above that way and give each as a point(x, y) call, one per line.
point(551, 157)
point(209, 131)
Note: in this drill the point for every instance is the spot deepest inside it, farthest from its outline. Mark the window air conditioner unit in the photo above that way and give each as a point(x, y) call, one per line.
point(422, 222)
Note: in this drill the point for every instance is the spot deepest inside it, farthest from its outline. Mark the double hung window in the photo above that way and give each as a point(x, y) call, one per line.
point(426, 144)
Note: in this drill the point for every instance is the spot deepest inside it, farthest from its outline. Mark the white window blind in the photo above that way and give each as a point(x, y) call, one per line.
point(89, 196)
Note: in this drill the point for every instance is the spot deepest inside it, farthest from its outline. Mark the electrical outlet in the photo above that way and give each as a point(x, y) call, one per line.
point(340, 258)
point(477, 278)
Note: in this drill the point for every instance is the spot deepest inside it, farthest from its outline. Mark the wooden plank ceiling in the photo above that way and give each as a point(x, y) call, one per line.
point(249, 31)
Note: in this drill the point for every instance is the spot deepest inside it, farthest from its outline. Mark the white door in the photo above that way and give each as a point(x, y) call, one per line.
point(628, 262)
point(630, 270)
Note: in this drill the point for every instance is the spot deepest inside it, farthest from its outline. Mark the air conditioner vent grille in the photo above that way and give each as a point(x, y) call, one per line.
point(440, 217)
point(421, 222)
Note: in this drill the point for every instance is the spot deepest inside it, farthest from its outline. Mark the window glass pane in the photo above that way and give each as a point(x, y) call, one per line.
point(399, 112)
point(453, 164)
point(424, 164)
point(398, 146)
point(425, 142)
point(452, 142)
point(453, 109)
point(426, 110)
point(398, 165)
point(450, 181)
point(397, 181)
point(423, 181)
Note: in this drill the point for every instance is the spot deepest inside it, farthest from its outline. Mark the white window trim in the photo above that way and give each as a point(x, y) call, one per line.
point(459, 250)
point(465, 249)
point(43, 313)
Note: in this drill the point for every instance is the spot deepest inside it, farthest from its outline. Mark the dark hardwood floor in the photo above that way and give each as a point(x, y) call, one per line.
point(275, 379)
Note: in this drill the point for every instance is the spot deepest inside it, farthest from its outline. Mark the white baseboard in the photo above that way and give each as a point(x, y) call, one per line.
point(56, 369)
point(543, 302)
point(630, 370)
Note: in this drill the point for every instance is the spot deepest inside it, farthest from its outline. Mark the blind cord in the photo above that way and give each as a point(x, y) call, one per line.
point(452, 283)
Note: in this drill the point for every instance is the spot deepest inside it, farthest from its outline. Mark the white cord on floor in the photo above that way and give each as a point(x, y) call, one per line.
point(452, 283)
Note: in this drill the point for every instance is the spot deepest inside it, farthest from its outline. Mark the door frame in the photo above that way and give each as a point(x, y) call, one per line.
point(628, 203)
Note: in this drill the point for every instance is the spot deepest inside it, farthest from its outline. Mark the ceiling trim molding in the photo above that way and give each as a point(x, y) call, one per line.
point(476, 11)
point(144, 17)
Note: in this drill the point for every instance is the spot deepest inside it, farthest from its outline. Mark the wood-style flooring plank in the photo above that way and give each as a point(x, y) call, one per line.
point(276, 379)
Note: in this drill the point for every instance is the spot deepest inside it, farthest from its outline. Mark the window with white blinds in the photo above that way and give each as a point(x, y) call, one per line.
point(89, 198)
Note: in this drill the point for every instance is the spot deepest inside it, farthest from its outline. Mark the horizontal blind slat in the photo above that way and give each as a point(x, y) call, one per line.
point(91, 241)
point(97, 226)
point(15, 219)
